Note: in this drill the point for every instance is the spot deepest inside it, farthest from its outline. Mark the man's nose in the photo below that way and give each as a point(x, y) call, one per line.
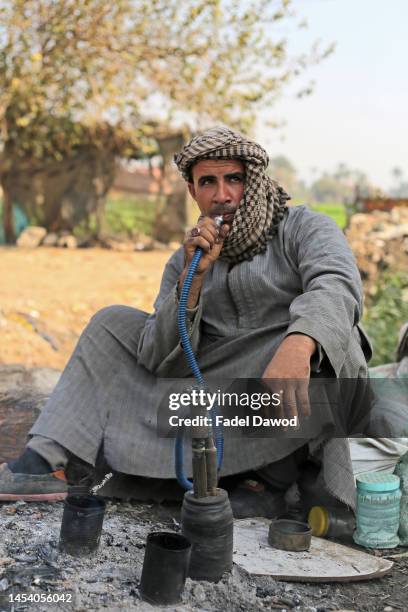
point(222, 194)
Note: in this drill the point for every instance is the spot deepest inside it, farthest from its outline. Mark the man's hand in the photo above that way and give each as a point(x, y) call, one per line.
point(210, 239)
point(288, 374)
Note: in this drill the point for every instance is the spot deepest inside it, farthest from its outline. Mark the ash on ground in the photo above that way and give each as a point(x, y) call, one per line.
point(31, 564)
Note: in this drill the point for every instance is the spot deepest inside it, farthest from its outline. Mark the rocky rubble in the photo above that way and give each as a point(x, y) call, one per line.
point(35, 236)
point(379, 241)
point(32, 237)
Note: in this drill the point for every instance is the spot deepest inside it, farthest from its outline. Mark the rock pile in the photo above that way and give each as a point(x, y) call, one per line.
point(35, 236)
point(379, 241)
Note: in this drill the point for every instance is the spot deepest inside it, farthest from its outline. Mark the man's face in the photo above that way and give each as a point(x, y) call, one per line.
point(218, 186)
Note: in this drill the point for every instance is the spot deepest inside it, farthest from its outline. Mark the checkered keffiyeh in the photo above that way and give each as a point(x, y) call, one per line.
point(264, 203)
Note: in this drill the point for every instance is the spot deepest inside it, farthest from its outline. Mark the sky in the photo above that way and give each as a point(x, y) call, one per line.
point(358, 112)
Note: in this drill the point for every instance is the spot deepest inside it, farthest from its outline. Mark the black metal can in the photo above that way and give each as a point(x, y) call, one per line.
point(81, 525)
point(165, 568)
point(208, 523)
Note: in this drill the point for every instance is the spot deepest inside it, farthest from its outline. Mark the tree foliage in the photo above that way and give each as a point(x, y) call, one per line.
point(68, 65)
point(400, 186)
point(338, 186)
point(387, 312)
point(282, 169)
point(70, 68)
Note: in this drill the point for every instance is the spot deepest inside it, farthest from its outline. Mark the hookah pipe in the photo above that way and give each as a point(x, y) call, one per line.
point(206, 514)
point(207, 456)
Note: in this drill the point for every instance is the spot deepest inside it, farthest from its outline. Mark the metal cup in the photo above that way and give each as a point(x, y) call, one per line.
point(165, 567)
point(81, 525)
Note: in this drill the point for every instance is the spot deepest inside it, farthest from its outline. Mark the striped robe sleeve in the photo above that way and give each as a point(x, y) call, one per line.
point(332, 298)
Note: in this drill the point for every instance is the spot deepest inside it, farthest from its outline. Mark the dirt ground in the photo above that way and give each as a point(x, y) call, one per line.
point(48, 295)
point(30, 563)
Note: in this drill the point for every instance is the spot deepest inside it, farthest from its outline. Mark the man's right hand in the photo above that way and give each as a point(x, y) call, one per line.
point(210, 239)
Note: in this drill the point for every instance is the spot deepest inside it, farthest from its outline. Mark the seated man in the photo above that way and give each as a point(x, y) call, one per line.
point(277, 294)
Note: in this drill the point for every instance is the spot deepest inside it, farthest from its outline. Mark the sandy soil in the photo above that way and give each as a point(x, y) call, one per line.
point(48, 295)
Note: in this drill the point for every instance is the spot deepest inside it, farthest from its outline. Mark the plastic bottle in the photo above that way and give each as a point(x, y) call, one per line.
point(331, 522)
point(378, 510)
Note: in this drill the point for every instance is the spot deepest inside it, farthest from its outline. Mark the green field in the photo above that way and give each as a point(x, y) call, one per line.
point(336, 211)
point(125, 213)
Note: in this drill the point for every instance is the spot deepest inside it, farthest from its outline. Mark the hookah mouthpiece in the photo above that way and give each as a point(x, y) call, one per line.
point(218, 220)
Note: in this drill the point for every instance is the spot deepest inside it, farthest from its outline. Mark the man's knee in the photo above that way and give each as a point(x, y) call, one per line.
point(109, 315)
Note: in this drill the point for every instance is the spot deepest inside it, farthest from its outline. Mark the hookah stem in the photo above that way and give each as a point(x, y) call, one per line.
point(204, 452)
point(211, 465)
point(200, 482)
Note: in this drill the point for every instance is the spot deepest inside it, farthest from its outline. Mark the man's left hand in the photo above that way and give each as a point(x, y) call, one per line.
point(288, 374)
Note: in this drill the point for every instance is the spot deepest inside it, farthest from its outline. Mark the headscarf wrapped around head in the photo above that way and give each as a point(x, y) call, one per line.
point(264, 202)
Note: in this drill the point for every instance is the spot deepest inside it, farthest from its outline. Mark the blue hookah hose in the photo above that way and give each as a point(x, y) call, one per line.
point(192, 362)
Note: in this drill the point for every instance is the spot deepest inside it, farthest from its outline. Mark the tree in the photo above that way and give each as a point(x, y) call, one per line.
point(397, 174)
point(400, 189)
point(71, 70)
point(328, 189)
point(282, 169)
point(340, 186)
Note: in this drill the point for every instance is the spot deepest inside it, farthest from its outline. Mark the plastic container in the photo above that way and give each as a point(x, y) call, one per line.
point(81, 525)
point(402, 471)
point(403, 527)
point(378, 510)
point(165, 568)
point(208, 523)
point(331, 522)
